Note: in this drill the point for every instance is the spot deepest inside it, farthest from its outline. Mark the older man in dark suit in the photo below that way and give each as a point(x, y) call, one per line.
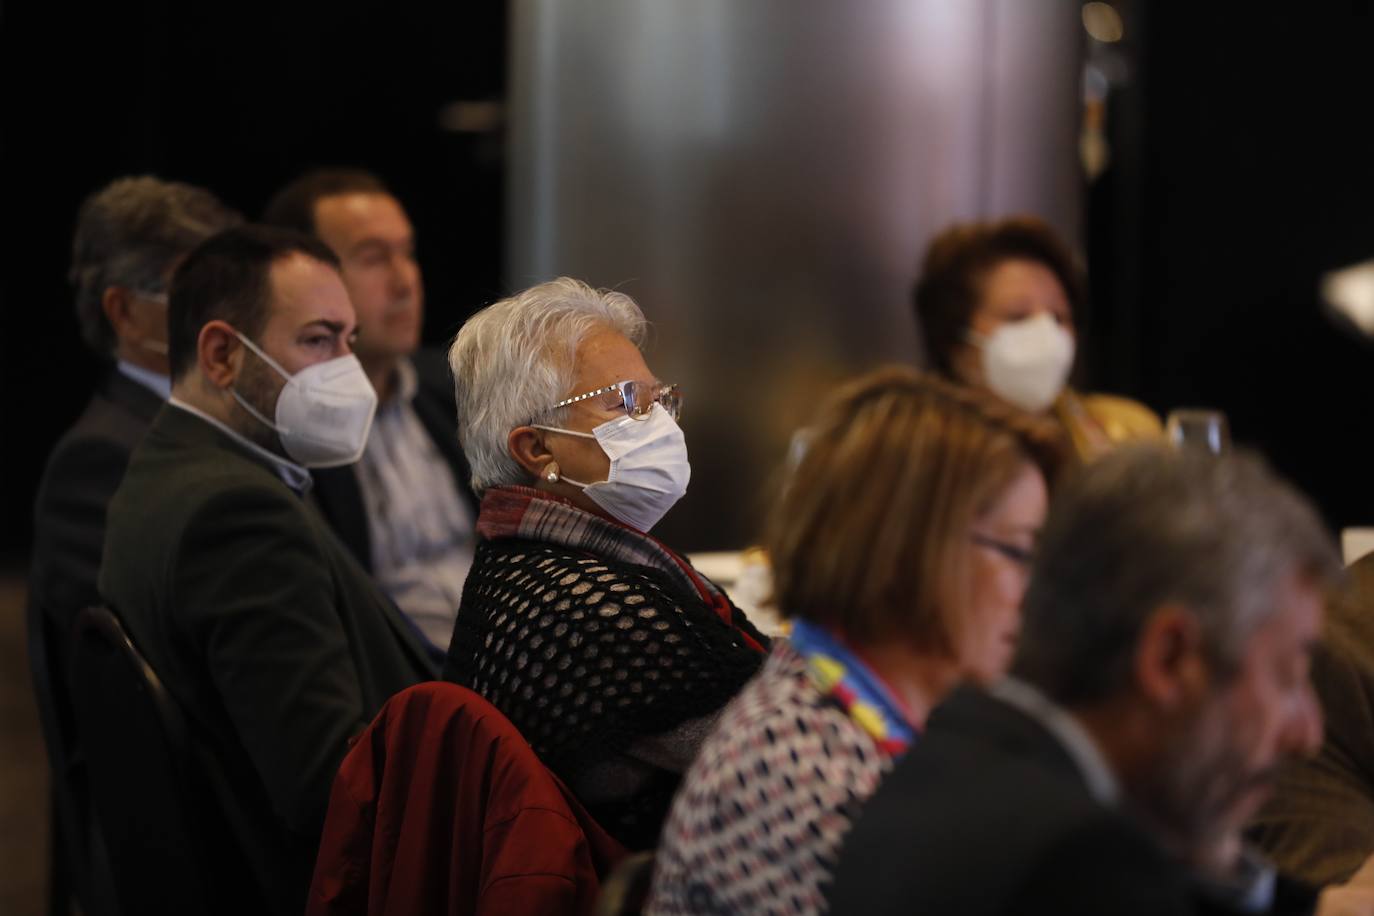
point(258, 620)
point(129, 236)
point(1162, 675)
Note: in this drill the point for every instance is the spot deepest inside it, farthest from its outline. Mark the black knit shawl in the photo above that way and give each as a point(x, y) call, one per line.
point(584, 655)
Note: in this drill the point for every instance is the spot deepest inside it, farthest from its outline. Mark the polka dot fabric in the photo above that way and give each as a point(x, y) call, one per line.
point(757, 825)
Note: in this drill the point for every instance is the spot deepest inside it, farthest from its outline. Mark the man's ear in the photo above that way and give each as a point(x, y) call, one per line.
point(526, 446)
point(1171, 663)
point(219, 353)
point(114, 302)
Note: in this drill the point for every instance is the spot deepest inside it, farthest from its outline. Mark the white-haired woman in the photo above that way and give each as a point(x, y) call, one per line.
point(608, 651)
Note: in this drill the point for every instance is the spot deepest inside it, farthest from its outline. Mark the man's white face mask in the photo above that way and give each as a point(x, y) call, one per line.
point(1027, 362)
point(323, 414)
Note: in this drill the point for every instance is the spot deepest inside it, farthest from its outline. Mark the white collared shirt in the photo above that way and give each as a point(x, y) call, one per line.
point(292, 474)
point(422, 532)
point(155, 382)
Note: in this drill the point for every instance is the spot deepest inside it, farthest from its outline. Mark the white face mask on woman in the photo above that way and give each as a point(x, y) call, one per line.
point(1027, 362)
point(324, 413)
point(649, 468)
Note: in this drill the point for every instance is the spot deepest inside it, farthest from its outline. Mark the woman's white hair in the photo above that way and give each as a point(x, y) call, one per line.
point(516, 358)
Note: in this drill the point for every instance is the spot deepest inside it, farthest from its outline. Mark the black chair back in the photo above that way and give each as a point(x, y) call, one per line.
point(155, 810)
point(77, 863)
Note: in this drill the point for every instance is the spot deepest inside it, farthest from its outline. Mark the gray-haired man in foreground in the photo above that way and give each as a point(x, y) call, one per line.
point(1162, 675)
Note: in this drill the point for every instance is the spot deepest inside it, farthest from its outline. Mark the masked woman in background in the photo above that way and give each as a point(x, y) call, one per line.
point(996, 303)
point(607, 650)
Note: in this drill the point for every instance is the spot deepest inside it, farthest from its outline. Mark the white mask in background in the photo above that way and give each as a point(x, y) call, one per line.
point(324, 413)
point(155, 346)
point(649, 468)
point(1027, 362)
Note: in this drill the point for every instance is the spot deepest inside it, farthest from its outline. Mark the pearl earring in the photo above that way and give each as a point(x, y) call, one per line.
point(551, 475)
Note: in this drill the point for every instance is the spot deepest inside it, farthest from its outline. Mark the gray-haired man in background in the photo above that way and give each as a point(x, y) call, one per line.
point(129, 237)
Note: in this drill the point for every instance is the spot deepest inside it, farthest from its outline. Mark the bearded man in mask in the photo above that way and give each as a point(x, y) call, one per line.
point(259, 622)
point(609, 652)
point(404, 508)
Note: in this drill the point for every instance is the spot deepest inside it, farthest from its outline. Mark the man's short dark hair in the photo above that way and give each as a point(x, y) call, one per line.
point(293, 207)
point(127, 234)
point(228, 277)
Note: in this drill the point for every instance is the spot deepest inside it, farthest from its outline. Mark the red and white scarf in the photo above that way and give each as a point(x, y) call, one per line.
point(524, 512)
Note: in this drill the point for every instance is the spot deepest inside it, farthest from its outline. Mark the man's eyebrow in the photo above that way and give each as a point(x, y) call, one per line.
point(333, 327)
point(377, 241)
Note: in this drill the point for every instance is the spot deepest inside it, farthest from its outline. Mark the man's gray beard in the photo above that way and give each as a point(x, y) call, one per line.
point(1199, 780)
point(258, 385)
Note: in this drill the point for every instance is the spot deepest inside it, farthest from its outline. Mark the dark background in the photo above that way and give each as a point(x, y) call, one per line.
point(238, 98)
point(1242, 169)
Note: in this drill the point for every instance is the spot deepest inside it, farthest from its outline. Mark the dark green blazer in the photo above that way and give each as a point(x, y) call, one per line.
point(261, 624)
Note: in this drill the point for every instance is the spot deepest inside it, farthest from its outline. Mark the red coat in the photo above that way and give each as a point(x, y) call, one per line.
point(441, 808)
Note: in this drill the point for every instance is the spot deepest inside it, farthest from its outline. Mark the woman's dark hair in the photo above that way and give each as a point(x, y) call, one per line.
point(958, 261)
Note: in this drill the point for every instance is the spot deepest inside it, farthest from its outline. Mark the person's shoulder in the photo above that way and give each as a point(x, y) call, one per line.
point(1000, 834)
point(93, 449)
point(203, 482)
point(1121, 417)
point(563, 565)
point(778, 715)
point(626, 597)
point(104, 424)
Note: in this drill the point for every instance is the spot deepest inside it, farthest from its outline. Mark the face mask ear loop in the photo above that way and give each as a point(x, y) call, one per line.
point(263, 356)
point(253, 411)
point(243, 402)
point(554, 475)
point(566, 432)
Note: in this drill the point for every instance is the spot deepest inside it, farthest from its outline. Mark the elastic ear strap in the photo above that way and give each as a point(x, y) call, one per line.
point(265, 358)
point(254, 411)
point(566, 432)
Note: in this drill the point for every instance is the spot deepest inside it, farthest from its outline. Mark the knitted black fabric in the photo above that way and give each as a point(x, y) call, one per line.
point(585, 655)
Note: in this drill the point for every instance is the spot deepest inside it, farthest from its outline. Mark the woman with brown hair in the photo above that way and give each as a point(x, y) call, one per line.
point(900, 548)
point(996, 303)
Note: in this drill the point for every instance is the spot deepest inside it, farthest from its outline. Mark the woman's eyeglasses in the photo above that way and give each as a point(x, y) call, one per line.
point(1020, 555)
point(636, 398)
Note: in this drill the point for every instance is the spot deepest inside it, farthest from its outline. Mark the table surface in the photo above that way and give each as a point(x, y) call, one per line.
point(744, 576)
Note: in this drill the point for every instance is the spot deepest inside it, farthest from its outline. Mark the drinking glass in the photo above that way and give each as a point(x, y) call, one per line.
point(1196, 428)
